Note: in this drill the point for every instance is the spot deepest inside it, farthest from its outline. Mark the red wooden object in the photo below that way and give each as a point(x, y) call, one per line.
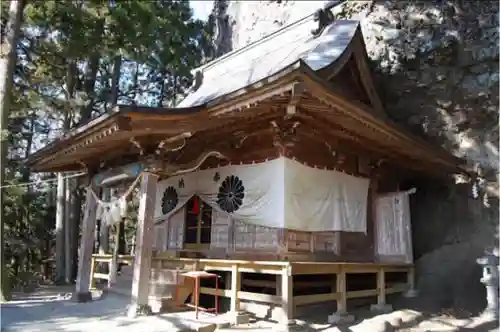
point(197, 276)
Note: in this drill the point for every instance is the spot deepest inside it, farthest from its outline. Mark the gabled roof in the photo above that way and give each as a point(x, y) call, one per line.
point(269, 70)
point(270, 55)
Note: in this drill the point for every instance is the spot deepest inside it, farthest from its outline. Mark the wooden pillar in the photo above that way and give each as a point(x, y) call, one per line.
point(93, 266)
point(381, 295)
point(411, 278)
point(104, 229)
point(286, 291)
point(144, 246)
point(342, 290)
point(381, 306)
point(82, 292)
point(113, 265)
point(412, 291)
point(235, 288)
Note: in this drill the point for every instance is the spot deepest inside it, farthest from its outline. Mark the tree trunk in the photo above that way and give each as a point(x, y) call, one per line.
point(76, 217)
point(8, 60)
point(162, 91)
point(115, 80)
point(60, 207)
point(63, 222)
point(90, 78)
point(24, 220)
point(135, 84)
point(68, 229)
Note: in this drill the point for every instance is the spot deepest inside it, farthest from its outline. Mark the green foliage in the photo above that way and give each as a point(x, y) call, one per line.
point(68, 54)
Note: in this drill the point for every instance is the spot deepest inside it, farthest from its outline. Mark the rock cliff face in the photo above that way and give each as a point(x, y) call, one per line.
point(436, 66)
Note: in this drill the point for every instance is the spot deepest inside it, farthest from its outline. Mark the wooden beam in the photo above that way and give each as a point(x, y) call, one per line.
point(144, 244)
point(93, 267)
point(381, 296)
point(361, 293)
point(296, 284)
point(397, 288)
point(342, 290)
point(254, 268)
point(360, 268)
point(287, 306)
point(101, 276)
point(316, 298)
point(314, 268)
point(411, 278)
point(85, 262)
point(235, 288)
point(248, 296)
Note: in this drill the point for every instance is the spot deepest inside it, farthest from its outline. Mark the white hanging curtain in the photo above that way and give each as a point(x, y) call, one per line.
point(280, 193)
point(393, 226)
point(323, 200)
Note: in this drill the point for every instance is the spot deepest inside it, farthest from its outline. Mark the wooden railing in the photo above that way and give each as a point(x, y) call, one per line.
point(106, 259)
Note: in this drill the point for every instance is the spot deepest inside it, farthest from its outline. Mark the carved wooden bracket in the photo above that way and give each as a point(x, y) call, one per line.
point(167, 169)
point(240, 138)
point(376, 167)
point(84, 166)
point(339, 157)
point(137, 145)
point(296, 94)
point(284, 135)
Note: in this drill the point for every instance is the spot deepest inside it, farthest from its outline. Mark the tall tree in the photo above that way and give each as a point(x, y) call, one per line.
point(7, 65)
point(121, 52)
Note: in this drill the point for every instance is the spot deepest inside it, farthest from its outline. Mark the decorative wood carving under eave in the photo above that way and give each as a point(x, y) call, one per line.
point(284, 134)
point(173, 144)
point(296, 94)
point(97, 136)
point(153, 165)
point(167, 169)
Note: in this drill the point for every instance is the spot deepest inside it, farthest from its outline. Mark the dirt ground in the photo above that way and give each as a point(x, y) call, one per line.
point(50, 309)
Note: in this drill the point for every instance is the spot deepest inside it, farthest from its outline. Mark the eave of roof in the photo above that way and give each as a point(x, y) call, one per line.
point(363, 114)
point(108, 121)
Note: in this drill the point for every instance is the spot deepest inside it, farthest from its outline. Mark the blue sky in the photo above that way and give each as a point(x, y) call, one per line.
point(201, 9)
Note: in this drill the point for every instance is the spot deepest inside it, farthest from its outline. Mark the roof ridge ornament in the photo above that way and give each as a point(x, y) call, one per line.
point(198, 79)
point(324, 17)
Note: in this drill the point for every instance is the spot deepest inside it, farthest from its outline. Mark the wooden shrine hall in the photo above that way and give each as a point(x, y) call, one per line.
point(280, 171)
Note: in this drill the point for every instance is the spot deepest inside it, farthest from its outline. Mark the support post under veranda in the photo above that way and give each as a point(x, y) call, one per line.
point(286, 292)
point(144, 246)
point(82, 291)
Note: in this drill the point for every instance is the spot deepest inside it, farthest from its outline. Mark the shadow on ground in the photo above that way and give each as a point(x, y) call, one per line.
point(50, 309)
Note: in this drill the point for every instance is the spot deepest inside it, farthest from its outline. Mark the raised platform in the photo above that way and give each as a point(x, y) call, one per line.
point(284, 287)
